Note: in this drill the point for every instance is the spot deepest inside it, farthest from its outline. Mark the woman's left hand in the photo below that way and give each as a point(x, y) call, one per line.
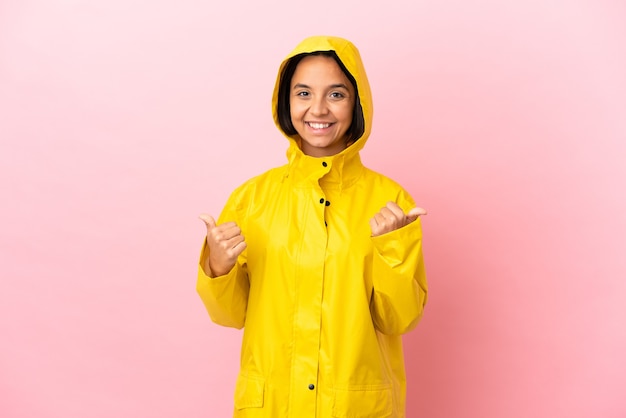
point(392, 217)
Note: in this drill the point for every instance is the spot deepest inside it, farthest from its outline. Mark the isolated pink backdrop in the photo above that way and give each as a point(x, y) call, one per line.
point(120, 121)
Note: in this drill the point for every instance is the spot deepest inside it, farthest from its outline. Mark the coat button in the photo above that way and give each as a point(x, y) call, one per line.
point(322, 200)
point(324, 164)
point(311, 386)
point(327, 203)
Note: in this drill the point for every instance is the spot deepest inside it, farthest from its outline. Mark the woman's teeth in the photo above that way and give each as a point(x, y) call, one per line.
point(319, 125)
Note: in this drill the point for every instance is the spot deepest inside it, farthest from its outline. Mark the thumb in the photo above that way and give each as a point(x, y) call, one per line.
point(208, 220)
point(415, 213)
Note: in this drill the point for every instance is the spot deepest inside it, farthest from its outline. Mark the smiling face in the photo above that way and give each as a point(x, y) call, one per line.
point(321, 105)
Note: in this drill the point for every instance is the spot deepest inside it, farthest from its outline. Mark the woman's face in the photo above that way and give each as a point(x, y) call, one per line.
point(322, 102)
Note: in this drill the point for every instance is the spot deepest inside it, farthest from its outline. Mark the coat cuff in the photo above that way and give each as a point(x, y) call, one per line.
point(401, 246)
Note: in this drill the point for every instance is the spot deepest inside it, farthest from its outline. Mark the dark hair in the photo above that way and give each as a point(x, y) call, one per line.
point(283, 111)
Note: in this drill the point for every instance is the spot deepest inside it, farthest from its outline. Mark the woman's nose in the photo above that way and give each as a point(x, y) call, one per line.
point(319, 106)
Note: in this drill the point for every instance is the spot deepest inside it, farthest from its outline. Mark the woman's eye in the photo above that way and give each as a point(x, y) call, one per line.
point(336, 95)
point(302, 93)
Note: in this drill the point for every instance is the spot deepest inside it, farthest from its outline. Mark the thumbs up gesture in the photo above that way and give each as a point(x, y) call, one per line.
point(225, 243)
point(392, 217)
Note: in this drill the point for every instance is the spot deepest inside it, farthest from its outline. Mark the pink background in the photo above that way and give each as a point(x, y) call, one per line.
point(121, 121)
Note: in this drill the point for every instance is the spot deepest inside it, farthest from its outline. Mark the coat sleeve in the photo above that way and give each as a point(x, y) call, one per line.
point(226, 297)
point(399, 279)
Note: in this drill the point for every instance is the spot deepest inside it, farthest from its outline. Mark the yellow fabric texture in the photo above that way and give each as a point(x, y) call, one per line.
point(323, 304)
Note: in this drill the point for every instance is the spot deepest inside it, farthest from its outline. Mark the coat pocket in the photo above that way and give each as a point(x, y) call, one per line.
point(249, 391)
point(361, 402)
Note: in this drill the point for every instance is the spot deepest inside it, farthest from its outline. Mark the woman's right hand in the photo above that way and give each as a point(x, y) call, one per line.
point(225, 244)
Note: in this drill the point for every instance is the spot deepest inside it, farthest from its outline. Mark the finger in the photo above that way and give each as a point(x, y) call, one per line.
point(231, 243)
point(373, 224)
point(391, 217)
point(395, 209)
point(380, 219)
point(208, 220)
point(415, 213)
point(382, 224)
point(238, 249)
point(225, 232)
point(386, 213)
point(233, 252)
point(376, 229)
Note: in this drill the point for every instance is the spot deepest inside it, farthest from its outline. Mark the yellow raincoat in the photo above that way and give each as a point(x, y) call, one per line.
point(323, 304)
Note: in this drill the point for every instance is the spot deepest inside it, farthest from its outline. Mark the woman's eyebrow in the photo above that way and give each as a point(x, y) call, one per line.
point(332, 86)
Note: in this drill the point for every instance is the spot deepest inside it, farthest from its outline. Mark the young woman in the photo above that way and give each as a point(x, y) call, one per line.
point(319, 260)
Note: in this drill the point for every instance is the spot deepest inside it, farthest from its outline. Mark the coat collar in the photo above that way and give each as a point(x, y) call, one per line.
point(334, 172)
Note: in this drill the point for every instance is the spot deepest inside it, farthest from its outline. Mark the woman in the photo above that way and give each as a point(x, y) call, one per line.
point(322, 279)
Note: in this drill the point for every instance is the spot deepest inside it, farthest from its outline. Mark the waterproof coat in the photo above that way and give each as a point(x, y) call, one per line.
point(323, 304)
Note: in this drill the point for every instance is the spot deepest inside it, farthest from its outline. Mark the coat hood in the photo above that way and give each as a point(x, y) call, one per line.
point(351, 59)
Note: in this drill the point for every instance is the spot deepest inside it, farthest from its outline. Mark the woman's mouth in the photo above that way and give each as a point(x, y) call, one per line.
point(318, 125)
